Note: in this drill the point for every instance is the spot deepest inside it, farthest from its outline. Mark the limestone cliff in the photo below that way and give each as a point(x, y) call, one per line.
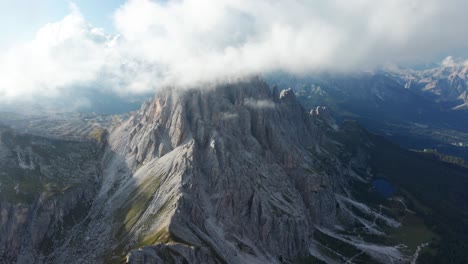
point(233, 173)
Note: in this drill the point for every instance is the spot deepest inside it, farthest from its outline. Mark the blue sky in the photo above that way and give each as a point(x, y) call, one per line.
point(20, 19)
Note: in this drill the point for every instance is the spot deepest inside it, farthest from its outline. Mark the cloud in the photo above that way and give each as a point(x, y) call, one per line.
point(192, 42)
point(229, 116)
point(66, 53)
point(449, 61)
point(259, 104)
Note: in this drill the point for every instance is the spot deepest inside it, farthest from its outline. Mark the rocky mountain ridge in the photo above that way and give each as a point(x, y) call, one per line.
point(236, 173)
point(242, 145)
point(447, 83)
point(46, 187)
point(251, 176)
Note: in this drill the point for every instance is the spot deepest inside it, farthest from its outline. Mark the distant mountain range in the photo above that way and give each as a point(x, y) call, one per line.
point(414, 108)
point(446, 84)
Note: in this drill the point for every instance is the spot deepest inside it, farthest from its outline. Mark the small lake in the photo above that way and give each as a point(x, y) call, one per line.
point(383, 188)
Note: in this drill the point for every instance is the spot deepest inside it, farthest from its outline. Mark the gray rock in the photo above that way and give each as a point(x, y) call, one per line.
point(246, 192)
point(235, 173)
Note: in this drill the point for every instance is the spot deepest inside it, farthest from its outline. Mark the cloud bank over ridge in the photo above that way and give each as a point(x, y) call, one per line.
point(190, 42)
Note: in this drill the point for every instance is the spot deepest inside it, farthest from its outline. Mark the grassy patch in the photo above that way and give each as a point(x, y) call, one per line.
point(412, 232)
point(155, 237)
point(99, 134)
point(131, 212)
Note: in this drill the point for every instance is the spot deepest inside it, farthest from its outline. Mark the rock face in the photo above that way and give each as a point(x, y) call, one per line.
point(242, 176)
point(235, 173)
point(45, 188)
point(28, 231)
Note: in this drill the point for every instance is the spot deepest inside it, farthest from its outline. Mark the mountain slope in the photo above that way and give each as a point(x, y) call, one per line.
point(239, 173)
point(46, 187)
point(233, 174)
point(241, 192)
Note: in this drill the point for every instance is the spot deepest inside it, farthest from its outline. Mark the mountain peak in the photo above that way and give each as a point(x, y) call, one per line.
point(287, 95)
point(242, 148)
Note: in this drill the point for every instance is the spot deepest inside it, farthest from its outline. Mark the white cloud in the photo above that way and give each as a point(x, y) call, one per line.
point(62, 54)
point(229, 116)
point(259, 104)
point(188, 42)
point(449, 61)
